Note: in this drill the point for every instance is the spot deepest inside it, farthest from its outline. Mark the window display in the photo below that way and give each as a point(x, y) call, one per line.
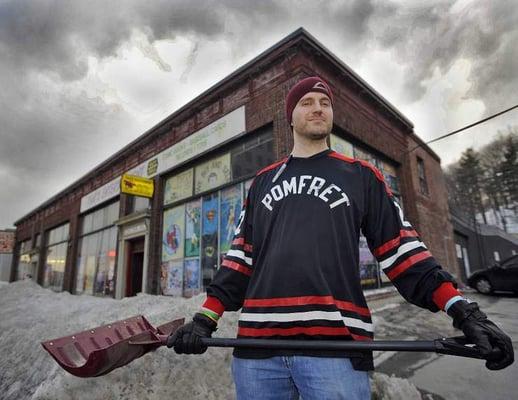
point(341, 146)
point(212, 174)
point(209, 238)
point(192, 228)
point(55, 257)
point(173, 233)
point(95, 270)
point(179, 187)
point(230, 209)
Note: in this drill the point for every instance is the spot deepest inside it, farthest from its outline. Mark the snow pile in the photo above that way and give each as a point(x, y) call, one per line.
point(30, 314)
point(392, 388)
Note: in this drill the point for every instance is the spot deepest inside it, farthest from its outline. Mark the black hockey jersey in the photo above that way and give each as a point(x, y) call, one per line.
point(293, 268)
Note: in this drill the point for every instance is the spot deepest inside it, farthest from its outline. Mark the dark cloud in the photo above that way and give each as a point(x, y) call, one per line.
point(426, 37)
point(51, 132)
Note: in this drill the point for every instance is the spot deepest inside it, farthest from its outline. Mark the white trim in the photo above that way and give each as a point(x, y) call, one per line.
point(241, 255)
point(405, 248)
point(306, 316)
point(401, 216)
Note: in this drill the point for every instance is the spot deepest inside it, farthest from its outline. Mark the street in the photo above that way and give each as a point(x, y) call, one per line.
point(447, 377)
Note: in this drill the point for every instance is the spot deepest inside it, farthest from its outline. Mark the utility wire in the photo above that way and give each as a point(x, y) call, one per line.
point(464, 128)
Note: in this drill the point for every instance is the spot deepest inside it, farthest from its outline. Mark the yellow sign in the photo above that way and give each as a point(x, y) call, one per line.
point(137, 186)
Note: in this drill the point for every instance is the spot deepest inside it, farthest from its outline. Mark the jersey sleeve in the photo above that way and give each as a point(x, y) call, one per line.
point(227, 290)
point(401, 253)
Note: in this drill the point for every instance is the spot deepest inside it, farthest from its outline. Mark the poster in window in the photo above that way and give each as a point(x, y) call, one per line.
point(192, 277)
point(389, 173)
point(173, 233)
point(89, 274)
point(178, 187)
point(171, 278)
point(192, 228)
point(102, 274)
point(229, 211)
point(209, 251)
point(341, 146)
point(213, 173)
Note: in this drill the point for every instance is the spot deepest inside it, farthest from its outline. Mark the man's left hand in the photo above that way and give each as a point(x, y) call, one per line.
point(495, 346)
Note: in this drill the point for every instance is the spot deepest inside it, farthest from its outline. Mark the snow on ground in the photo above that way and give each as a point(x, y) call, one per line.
point(30, 314)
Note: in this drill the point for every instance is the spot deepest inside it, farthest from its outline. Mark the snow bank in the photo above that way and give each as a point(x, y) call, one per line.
point(30, 314)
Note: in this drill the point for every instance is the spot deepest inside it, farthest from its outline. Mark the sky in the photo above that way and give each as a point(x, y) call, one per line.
point(80, 80)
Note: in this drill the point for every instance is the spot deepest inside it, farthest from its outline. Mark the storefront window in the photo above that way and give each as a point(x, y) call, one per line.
point(211, 174)
point(179, 187)
point(97, 252)
point(197, 233)
point(55, 257)
point(25, 269)
point(371, 274)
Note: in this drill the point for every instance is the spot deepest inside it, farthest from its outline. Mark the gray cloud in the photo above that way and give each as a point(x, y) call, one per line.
point(51, 132)
point(430, 36)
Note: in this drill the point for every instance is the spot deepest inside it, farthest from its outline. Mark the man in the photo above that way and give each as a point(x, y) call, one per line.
point(293, 268)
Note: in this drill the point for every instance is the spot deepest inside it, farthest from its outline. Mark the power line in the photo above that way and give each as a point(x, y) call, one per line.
point(464, 128)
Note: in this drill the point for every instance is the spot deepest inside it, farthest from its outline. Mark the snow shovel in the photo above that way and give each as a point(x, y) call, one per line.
point(97, 351)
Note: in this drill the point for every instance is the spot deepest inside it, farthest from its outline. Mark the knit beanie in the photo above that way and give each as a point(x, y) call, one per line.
point(306, 85)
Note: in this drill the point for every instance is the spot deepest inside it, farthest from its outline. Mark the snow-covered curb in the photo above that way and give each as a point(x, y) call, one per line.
point(30, 314)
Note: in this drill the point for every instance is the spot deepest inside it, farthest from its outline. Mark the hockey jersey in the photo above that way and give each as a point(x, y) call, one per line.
point(293, 267)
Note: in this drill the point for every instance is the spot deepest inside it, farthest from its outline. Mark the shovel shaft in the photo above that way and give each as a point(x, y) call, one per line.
point(441, 346)
point(321, 344)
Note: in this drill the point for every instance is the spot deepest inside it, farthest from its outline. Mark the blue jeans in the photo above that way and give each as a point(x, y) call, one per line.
point(288, 377)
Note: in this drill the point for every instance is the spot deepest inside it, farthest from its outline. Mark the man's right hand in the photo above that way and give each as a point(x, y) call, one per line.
point(187, 338)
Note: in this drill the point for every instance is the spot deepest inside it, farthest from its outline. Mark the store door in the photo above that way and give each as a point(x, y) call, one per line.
point(135, 266)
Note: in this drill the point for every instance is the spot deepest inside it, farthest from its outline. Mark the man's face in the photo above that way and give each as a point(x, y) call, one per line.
point(312, 117)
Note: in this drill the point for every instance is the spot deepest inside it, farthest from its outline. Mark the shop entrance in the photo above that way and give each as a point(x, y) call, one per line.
point(134, 266)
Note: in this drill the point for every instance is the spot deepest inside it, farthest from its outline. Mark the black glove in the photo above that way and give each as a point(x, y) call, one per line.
point(187, 338)
point(494, 345)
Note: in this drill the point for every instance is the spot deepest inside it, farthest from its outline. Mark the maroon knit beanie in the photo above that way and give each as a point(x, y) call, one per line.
point(311, 84)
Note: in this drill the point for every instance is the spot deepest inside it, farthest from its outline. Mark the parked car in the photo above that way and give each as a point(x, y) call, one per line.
point(501, 276)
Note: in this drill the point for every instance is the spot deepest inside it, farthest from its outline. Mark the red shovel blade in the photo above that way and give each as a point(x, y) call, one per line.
point(97, 351)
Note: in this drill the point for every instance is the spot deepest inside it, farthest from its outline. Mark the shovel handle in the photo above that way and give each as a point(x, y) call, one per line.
point(448, 346)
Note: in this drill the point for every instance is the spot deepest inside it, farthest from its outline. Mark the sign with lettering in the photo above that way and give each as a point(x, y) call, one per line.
point(214, 134)
point(137, 186)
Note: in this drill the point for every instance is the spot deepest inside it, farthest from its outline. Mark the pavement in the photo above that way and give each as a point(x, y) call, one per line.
point(438, 376)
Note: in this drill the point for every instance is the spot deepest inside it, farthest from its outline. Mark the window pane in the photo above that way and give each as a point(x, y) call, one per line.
point(55, 267)
point(341, 146)
point(229, 211)
point(192, 228)
point(213, 173)
point(97, 219)
point(192, 277)
point(179, 187)
point(209, 250)
point(140, 203)
point(173, 234)
point(246, 162)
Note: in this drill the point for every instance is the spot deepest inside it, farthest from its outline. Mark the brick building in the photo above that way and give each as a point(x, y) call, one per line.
point(92, 239)
point(6, 253)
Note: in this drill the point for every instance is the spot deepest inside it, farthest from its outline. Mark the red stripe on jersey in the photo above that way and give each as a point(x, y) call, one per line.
point(376, 171)
point(241, 242)
point(272, 166)
point(212, 303)
point(394, 242)
point(311, 331)
point(237, 267)
point(306, 300)
point(402, 267)
point(443, 293)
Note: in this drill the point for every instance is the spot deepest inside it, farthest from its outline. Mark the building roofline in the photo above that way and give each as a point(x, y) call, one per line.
point(296, 36)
